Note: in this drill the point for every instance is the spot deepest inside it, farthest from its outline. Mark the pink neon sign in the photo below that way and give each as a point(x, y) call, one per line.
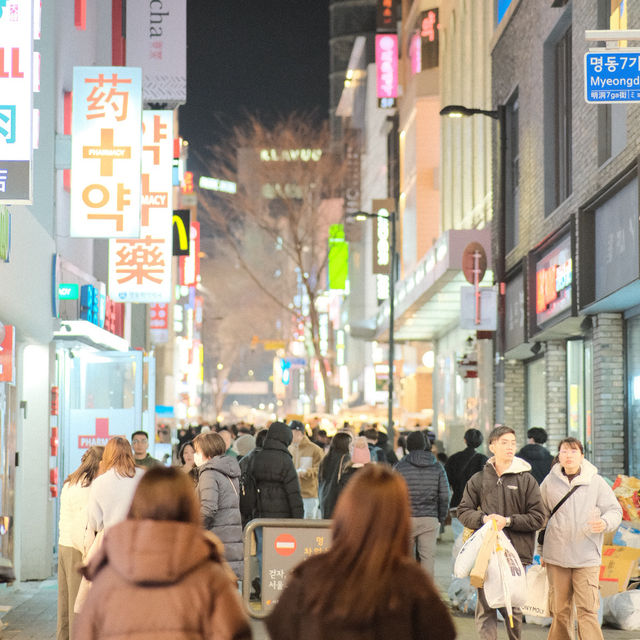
point(387, 65)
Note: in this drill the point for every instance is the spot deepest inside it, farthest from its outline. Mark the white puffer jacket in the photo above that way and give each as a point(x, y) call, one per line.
point(565, 542)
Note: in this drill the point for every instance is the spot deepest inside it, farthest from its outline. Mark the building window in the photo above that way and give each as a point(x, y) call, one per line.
point(562, 117)
point(512, 174)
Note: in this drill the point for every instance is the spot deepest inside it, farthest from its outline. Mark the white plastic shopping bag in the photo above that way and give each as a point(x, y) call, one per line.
point(466, 557)
point(505, 584)
point(537, 604)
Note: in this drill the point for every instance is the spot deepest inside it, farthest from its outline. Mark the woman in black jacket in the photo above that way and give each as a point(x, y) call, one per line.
point(330, 472)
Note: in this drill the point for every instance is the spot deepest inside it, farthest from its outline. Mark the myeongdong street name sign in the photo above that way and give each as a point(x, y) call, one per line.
point(612, 76)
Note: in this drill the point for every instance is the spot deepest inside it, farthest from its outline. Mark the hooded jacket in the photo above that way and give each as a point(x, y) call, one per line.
point(276, 477)
point(565, 542)
point(306, 459)
point(427, 483)
point(160, 580)
point(514, 494)
point(460, 467)
point(218, 490)
point(539, 459)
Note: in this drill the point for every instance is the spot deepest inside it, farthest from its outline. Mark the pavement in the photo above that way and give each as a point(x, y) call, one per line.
point(28, 609)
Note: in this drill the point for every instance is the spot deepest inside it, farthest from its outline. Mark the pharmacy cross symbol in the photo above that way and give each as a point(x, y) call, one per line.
point(101, 437)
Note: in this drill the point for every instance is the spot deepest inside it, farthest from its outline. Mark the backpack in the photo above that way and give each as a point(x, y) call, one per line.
point(249, 494)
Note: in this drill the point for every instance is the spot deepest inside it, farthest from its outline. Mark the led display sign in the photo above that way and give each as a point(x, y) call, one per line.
point(140, 269)
point(16, 100)
point(106, 152)
point(387, 65)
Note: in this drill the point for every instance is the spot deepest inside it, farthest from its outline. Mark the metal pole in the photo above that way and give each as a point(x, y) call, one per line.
point(392, 302)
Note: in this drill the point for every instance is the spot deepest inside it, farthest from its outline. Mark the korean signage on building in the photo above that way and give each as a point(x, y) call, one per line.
point(387, 15)
point(106, 152)
point(16, 112)
point(7, 353)
point(552, 269)
point(157, 42)
point(190, 265)
point(140, 269)
point(424, 44)
point(387, 67)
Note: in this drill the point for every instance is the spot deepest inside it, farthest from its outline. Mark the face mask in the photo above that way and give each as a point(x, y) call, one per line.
point(198, 459)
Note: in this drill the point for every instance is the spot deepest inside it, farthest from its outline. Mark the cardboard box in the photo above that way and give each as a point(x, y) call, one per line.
point(619, 564)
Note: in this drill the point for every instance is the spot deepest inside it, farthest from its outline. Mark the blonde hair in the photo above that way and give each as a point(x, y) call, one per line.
point(89, 467)
point(117, 456)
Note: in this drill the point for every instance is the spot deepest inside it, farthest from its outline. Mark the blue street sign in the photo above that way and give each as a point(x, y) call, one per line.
point(612, 75)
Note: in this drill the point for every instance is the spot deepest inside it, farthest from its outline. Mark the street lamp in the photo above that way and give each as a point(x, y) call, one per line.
point(499, 114)
point(392, 217)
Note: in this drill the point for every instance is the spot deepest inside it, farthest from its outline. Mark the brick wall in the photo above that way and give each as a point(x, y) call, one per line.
point(608, 394)
point(555, 364)
point(515, 399)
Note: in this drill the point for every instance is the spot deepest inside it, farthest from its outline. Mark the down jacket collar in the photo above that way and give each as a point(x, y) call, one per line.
point(154, 551)
point(587, 472)
point(224, 464)
point(518, 465)
point(420, 458)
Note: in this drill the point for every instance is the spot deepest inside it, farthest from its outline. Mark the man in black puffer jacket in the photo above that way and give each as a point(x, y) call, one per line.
point(429, 494)
point(275, 476)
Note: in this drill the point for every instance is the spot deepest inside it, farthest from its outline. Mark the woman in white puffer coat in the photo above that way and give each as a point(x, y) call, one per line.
point(572, 550)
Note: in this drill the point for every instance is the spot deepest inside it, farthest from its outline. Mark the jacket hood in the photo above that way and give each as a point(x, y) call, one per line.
point(420, 458)
point(535, 452)
point(224, 464)
point(153, 551)
point(280, 432)
point(518, 465)
point(587, 472)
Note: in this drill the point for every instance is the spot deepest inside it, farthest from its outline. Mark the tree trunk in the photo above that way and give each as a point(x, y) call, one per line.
point(315, 338)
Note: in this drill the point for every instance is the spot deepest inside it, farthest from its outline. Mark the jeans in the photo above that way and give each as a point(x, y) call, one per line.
point(424, 533)
point(310, 508)
point(487, 620)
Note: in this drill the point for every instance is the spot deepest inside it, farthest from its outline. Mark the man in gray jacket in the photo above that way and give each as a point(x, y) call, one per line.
point(506, 492)
point(429, 495)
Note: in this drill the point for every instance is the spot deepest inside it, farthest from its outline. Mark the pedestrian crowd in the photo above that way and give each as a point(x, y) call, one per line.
point(147, 550)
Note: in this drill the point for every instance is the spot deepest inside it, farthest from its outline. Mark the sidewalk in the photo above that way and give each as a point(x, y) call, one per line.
point(28, 609)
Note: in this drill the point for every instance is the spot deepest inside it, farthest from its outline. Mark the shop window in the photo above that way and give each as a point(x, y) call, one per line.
point(536, 393)
point(633, 393)
point(579, 392)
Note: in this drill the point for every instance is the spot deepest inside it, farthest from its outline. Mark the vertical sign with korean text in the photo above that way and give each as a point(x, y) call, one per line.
point(106, 152)
point(16, 100)
point(140, 268)
point(190, 265)
point(387, 65)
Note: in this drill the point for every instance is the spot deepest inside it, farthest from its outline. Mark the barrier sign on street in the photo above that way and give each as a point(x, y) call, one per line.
point(612, 76)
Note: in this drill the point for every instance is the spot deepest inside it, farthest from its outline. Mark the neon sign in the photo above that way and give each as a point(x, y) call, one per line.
point(550, 282)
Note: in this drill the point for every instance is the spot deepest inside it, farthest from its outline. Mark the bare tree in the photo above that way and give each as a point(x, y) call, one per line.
point(289, 192)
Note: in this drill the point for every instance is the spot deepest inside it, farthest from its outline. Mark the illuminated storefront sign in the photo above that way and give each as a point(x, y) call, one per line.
point(216, 184)
point(387, 16)
point(180, 225)
point(157, 42)
point(387, 66)
point(290, 155)
point(140, 269)
point(190, 265)
point(106, 152)
point(424, 44)
point(7, 353)
point(159, 323)
point(16, 101)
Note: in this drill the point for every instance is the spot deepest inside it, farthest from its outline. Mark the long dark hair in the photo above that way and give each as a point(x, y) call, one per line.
point(339, 447)
point(371, 525)
point(89, 467)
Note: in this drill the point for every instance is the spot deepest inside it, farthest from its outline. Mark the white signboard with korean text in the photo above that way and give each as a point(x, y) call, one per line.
point(106, 152)
point(16, 101)
point(140, 269)
point(157, 42)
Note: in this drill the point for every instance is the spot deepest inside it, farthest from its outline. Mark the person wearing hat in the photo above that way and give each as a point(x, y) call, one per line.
point(429, 495)
point(306, 458)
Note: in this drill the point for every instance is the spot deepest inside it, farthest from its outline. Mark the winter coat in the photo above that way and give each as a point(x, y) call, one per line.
point(218, 490)
point(539, 459)
point(420, 612)
point(160, 579)
point(565, 543)
point(329, 474)
point(74, 499)
point(514, 494)
point(460, 467)
point(276, 476)
point(427, 483)
point(309, 476)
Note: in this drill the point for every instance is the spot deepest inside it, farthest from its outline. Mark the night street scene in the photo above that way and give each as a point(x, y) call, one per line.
point(319, 319)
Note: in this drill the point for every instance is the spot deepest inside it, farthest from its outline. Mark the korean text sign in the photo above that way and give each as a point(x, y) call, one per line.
point(140, 269)
point(16, 113)
point(387, 65)
point(106, 152)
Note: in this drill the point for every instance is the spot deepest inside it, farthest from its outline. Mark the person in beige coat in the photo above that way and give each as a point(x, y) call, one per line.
point(159, 575)
point(306, 458)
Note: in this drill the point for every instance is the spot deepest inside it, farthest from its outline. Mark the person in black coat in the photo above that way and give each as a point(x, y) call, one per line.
point(536, 455)
point(275, 476)
point(462, 465)
point(332, 467)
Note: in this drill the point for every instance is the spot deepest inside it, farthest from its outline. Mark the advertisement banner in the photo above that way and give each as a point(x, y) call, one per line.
point(140, 269)
point(190, 265)
point(157, 42)
point(106, 150)
point(16, 101)
point(387, 65)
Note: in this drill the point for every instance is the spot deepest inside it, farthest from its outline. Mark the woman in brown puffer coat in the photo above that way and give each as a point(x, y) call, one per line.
point(159, 575)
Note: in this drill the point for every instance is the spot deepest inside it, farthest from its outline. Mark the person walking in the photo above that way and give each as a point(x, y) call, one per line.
point(572, 549)
point(536, 455)
point(219, 492)
point(429, 496)
point(366, 585)
point(306, 459)
point(330, 472)
point(74, 499)
point(159, 575)
point(505, 492)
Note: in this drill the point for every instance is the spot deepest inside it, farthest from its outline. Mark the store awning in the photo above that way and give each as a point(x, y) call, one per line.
point(427, 301)
point(89, 334)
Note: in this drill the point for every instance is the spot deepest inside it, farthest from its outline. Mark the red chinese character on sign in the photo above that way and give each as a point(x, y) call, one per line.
point(428, 26)
point(99, 98)
point(140, 260)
